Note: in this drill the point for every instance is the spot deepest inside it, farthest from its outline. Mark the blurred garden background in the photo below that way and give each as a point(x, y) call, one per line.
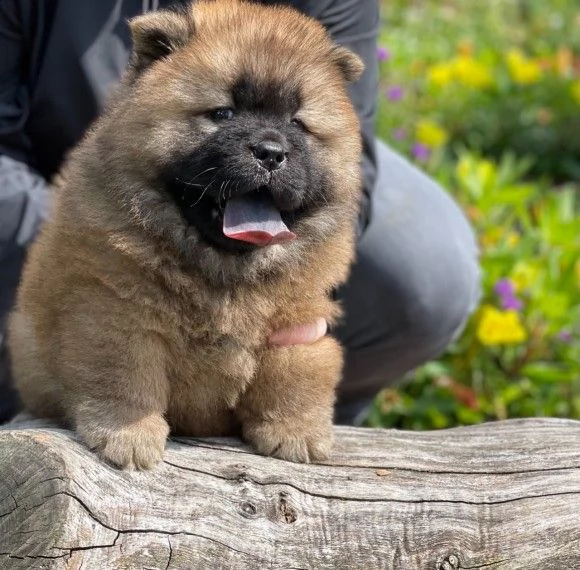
point(485, 96)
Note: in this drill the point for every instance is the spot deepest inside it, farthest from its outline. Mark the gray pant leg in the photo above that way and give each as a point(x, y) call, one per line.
point(415, 282)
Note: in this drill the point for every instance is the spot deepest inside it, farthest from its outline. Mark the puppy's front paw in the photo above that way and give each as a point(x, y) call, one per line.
point(134, 444)
point(289, 442)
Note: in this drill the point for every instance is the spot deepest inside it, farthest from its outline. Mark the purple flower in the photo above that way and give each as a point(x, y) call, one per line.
point(383, 54)
point(421, 152)
point(504, 288)
point(395, 93)
point(399, 134)
point(511, 302)
point(565, 335)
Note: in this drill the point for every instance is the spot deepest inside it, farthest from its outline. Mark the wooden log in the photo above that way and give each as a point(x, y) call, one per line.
point(503, 496)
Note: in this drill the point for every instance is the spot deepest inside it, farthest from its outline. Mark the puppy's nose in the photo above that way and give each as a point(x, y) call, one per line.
point(269, 153)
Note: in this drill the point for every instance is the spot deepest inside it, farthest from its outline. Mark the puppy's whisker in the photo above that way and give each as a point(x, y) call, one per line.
point(203, 192)
point(223, 191)
point(228, 182)
point(222, 196)
point(190, 181)
point(231, 191)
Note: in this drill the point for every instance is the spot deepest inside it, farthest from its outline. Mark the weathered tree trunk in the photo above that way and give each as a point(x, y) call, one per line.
point(504, 496)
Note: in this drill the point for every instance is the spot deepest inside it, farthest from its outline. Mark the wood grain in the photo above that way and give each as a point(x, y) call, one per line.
point(503, 496)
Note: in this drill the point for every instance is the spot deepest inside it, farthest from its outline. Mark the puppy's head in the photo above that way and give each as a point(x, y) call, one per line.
point(236, 132)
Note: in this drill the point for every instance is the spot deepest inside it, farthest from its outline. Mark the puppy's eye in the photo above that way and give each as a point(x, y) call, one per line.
point(221, 114)
point(298, 123)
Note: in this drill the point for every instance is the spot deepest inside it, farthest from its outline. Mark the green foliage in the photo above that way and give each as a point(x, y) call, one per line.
point(480, 70)
point(496, 127)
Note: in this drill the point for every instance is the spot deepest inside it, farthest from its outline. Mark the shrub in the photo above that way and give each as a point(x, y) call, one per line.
point(520, 353)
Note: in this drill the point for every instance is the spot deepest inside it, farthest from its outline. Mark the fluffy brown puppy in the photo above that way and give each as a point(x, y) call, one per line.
point(213, 203)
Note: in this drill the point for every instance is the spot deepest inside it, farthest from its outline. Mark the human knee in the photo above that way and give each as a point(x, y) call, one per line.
point(440, 299)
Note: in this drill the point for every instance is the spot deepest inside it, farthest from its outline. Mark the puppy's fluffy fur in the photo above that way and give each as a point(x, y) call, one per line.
point(133, 318)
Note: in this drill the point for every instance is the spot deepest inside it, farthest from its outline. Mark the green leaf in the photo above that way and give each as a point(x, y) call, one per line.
point(567, 204)
point(554, 305)
point(467, 416)
point(515, 194)
point(548, 372)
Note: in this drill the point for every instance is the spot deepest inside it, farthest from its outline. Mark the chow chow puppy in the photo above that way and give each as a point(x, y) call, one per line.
point(212, 204)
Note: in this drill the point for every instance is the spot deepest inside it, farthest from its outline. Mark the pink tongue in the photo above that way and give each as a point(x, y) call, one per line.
point(255, 221)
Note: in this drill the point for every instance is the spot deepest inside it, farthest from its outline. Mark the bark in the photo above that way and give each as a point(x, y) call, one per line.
point(503, 495)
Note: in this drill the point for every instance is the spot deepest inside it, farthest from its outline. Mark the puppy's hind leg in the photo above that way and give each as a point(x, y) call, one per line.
point(287, 411)
point(40, 395)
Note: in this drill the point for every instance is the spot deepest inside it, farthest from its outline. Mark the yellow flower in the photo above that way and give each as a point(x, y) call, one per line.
point(431, 134)
point(490, 238)
point(575, 91)
point(494, 236)
point(441, 74)
point(464, 168)
point(522, 69)
point(500, 327)
point(512, 239)
point(471, 72)
point(524, 275)
point(462, 69)
point(486, 173)
point(471, 170)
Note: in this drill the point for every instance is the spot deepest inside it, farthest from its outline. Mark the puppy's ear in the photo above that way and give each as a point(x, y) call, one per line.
point(158, 34)
point(350, 64)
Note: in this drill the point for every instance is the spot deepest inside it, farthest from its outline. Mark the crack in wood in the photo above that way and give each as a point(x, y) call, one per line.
point(400, 469)
point(72, 549)
point(453, 471)
point(170, 554)
point(151, 531)
point(32, 557)
point(7, 513)
point(249, 479)
point(287, 511)
point(486, 565)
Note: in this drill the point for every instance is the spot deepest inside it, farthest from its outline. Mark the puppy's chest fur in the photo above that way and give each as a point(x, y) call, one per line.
point(213, 342)
point(218, 340)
